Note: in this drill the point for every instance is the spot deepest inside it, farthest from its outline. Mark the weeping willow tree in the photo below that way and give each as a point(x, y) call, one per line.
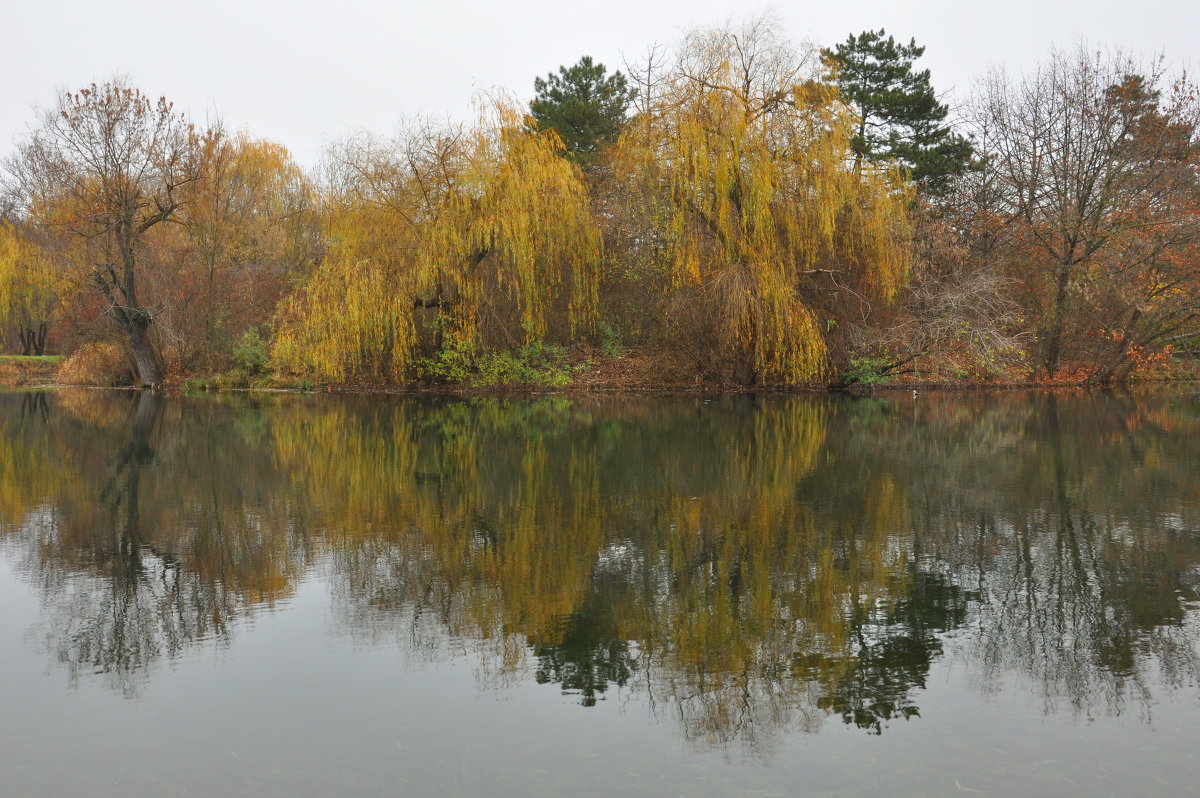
point(481, 235)
point(758, 210)
point(29, 290)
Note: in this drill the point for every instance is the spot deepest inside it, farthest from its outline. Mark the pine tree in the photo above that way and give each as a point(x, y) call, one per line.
point(900, 115)
point(584, 105)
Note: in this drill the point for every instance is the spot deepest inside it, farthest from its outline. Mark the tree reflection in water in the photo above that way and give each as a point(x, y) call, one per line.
point(741, 565)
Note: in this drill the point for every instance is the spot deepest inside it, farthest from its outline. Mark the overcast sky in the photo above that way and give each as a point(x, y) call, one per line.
point(305, 72)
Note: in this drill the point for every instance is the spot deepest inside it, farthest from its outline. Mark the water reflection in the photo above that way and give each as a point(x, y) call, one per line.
point(742, 566)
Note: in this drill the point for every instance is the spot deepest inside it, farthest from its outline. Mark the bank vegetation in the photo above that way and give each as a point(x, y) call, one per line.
point(735, 210)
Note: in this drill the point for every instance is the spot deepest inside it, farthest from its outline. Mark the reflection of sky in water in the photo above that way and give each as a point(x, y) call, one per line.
point(292, 710)
point(1049, 649)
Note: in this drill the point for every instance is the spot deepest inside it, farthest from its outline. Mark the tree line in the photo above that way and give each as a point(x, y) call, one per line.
point(739, 208)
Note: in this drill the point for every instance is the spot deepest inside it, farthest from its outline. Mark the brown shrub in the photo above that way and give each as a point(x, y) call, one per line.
point(96, 363)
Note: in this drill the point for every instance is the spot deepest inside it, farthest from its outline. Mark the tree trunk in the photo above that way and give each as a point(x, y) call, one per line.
point(33, 342)
point(744, 371)
point(38, 338)
point(1052, 338)
point(145, 359)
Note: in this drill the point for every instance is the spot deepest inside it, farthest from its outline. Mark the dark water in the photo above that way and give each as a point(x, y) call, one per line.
point(327, 596)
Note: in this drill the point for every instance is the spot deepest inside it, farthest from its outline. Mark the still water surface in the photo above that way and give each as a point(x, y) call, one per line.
point(318, 596)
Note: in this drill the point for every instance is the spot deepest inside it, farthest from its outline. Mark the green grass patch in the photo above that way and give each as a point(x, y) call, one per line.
point(32, 358)
point(534, 365)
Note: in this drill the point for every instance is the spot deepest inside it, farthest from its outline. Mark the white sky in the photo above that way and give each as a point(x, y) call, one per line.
point(305, 72)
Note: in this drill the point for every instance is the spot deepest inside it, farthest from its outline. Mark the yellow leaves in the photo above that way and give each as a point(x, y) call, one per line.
point(489, 225)
point(347, 321)
point(29, 286)
point(244, 189)
point(752, 160)
point(529, 207)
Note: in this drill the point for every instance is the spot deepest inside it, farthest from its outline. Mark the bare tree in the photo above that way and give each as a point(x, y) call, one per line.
point(107, 165)
point(1092, 165)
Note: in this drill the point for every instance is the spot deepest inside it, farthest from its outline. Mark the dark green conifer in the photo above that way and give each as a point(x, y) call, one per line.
point(901, 117)
point(584, 104)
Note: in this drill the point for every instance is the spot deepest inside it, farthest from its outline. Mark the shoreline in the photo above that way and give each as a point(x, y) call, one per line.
point(622, 376)
point(468, 392)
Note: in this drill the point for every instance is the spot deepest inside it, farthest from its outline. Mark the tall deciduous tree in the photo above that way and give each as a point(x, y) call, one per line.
point(107, 165)
point(488, 228)
point(1093, 161)
point(249, 226)
point(584, 104)
point(899, 115)
point(744, 161)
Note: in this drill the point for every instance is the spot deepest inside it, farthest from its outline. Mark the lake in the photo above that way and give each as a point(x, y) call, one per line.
point(903, 595)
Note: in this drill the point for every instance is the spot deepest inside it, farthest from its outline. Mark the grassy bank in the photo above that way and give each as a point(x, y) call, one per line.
point(593, 371)
point(22, 370)
point(580, 371)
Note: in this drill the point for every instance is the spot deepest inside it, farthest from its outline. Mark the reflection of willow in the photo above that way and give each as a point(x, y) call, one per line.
point(28, 472)
point(660, 546)
point(748, 568)
point(743, 565)
point(142, 546)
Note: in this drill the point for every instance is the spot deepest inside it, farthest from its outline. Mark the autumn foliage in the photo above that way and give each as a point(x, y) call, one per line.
point(730, 232)
point(479, 235)
point(756, 210)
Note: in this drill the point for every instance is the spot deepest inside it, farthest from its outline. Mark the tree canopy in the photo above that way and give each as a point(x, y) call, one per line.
point(745, 156)
point(467, 236)
point(900, 116)
point(733, 208)
point(107, 165)
point(1092, 170)
point(584, 104)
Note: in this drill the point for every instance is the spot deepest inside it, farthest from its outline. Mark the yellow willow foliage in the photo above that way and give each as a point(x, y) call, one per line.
point(520, 212)
point(753, 171)
point(240, 206)
point(348, 320)
point(490, 225)
point(354, 316)
point(28, 284)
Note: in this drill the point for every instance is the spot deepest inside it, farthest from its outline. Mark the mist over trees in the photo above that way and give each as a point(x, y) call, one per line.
point(733, 209)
